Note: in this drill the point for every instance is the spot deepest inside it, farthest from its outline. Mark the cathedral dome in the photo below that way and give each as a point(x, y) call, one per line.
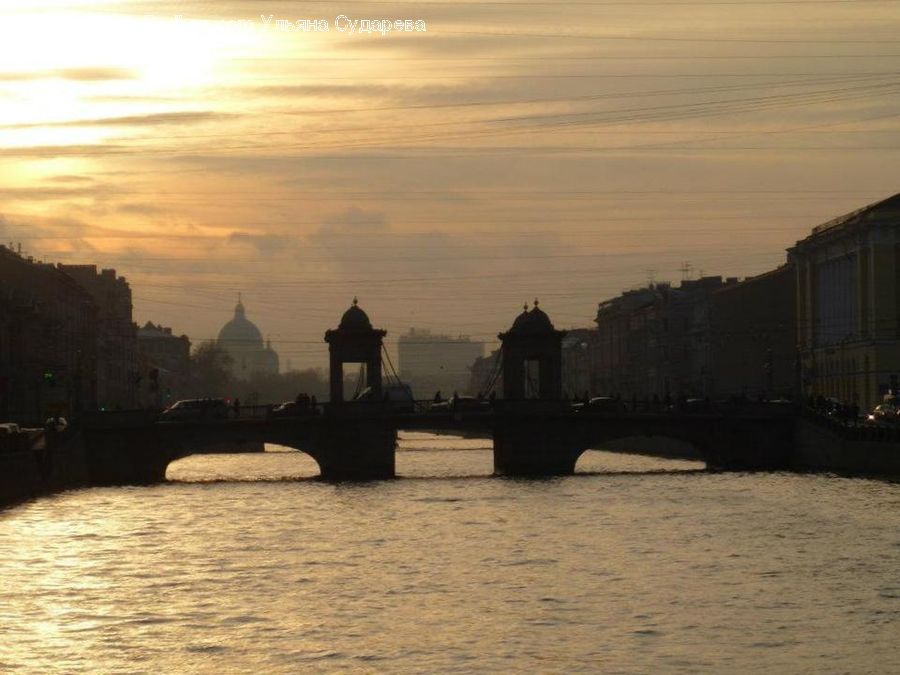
point(269, 361)
point(240, 331)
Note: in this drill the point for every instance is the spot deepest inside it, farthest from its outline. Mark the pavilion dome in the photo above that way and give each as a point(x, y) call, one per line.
point(522, 319)
point(534, 321)
point(355, 318)
point(538, 319)
point(240, 331)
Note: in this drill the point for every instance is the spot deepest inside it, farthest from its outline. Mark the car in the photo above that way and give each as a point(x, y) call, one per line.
point(297, 408)
point(461, 404)
point(601, 404)
point(399, 396)
point(468, 404)
point(56, 423)
point(884, 413)
point(193, 409)
point(9, 429)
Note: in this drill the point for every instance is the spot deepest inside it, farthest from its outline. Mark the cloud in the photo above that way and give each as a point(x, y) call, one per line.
point(354, 220)
point(50, 151)
point(73, 74)
point(140, 209)
point(265, 244)
point(152, 119)
point(46, 238)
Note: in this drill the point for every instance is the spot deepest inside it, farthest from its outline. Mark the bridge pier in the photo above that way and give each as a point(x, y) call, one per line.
point(128, 457)
point(534, 445)
point(356, 449)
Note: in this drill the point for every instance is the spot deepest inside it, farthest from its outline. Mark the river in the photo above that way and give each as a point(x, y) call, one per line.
point(242, 563)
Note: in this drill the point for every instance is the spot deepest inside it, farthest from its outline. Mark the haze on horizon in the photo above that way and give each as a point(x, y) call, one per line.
point(514, 149)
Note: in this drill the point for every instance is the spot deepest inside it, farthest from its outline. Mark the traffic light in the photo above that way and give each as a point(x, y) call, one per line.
point(50, 378)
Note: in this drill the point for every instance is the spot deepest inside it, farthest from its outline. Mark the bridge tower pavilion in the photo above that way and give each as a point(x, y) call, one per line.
point(532, 357)
point(533, 435)
point(354, 341)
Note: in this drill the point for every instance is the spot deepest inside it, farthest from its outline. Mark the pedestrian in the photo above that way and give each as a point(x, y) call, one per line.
point(237, 407)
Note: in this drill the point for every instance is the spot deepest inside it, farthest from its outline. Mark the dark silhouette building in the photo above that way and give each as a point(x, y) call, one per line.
point(48, 342)
point(117, 372)
point(651, 341)
point(752, 337)
point(164, 362)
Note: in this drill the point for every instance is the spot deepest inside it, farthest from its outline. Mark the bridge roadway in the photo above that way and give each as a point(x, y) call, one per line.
point(357, 441)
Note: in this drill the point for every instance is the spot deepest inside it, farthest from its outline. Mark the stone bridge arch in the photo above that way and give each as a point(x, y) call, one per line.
point(142, 455)
point(722, 441)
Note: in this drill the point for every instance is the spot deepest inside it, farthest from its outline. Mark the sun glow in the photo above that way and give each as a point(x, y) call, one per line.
point(71, 79)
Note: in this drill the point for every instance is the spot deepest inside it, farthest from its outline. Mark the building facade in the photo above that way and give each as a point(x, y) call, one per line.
point(48, 342)
point(848, 305)
point(485, 376)
point(431, 362)
point(579, 352)
point(117, 371)
point(751, 343)
point(164, 362)
point(651, 341)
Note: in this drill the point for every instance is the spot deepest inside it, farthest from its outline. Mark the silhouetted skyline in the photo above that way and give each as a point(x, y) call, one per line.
point(565, 151)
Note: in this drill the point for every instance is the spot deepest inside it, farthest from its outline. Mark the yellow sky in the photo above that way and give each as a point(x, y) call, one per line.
point(511, 150)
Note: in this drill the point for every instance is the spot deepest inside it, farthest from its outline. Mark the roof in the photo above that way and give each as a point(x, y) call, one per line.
point(355, 318)
point(534, 321)
point(884, 211)
point(240, 330)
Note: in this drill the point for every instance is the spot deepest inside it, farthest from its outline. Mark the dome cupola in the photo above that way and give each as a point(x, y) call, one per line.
point(355, 318)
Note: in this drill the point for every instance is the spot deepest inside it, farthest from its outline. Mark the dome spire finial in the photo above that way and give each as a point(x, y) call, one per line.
point(536, 303)
point(355, 301)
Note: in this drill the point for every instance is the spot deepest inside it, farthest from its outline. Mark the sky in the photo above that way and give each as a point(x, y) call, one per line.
point(512, 150)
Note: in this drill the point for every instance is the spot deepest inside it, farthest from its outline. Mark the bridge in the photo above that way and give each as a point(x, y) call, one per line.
point(534, 431)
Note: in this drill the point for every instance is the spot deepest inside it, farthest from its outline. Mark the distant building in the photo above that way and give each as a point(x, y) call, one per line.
point(751, 340)
point(48, 342)
point(848, 305)
point(164, 363)
point(117, 374)
point(647, 339)
point(485, 376)
point(579, 352)
point(244, 343)
point(430, 362)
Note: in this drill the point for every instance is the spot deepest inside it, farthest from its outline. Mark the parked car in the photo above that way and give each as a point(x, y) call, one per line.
point(195, 409)
point(601, 404)
point(297, 408)
point(399, 396)
point(460, 404)
point(884, 413)
point(56, 423)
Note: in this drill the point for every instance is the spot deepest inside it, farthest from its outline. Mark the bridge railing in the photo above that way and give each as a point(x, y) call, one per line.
point(251, 412)
point(853, 429)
